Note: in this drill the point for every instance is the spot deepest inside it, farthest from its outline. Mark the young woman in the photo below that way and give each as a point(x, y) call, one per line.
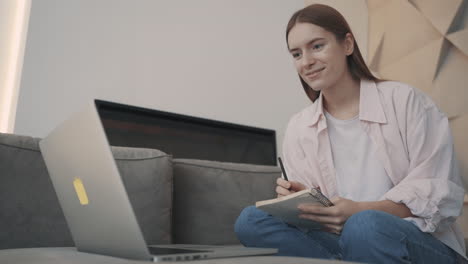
point(381, 149)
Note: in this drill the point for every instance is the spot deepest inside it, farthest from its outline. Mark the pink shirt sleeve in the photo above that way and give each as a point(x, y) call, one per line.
point(293, 155)
point(432, 189)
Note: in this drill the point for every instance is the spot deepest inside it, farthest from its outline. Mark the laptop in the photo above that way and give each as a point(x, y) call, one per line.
point(94, 200)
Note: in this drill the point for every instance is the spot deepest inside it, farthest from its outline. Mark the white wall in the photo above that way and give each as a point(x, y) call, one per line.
point(219, 59)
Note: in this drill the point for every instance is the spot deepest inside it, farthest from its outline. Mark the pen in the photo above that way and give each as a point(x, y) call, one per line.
point(282, 169)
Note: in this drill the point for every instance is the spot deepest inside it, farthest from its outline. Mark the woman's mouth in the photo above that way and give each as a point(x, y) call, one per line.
point(314, 74)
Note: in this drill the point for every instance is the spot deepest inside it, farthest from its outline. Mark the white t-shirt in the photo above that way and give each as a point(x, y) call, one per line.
point(359, 173)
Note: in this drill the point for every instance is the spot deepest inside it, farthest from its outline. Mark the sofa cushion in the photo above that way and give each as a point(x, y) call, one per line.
point(147, 176)
point(209, 196)
point(30, 213)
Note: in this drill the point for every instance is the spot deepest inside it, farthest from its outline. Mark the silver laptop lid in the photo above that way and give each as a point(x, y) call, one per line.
point(90, 189)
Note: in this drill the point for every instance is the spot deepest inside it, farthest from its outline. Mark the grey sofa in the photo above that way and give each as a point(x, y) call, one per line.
point(175, 201)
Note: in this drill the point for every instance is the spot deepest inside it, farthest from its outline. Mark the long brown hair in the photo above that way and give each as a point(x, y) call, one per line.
point(331, 20)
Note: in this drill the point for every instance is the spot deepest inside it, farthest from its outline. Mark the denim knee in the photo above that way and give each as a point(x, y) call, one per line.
point(245, 224)
point(379, 237)
point(363, 229)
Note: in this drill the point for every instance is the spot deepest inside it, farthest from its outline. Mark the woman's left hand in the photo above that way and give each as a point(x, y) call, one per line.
point(332, 218)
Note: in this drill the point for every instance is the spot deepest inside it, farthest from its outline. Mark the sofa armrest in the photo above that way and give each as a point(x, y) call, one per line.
point(209, 196)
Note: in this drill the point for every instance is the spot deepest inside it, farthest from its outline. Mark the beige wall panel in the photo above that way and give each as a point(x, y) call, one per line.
point(405, 31)
point(375, 4)
point(355, 12)
point(439, 13)
point(410, 70)
point(451, 84)
point(377, 21)
point(375, 64)
point(460, 40)
point(459, 131)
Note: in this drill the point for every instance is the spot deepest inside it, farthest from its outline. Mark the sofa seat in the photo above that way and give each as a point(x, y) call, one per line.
point(69, 255)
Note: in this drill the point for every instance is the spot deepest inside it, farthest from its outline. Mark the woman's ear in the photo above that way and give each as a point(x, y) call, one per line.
point(349, 44)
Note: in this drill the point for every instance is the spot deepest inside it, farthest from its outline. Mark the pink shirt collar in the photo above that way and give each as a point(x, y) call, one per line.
point(370, 105)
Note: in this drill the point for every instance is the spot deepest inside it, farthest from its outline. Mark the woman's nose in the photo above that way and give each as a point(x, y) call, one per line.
point(308, 60)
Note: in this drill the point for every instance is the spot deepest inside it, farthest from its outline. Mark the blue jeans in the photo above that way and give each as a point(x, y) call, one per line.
point(368, 236)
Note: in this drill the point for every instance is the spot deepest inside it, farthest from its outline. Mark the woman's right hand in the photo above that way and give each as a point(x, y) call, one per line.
point(288, 187)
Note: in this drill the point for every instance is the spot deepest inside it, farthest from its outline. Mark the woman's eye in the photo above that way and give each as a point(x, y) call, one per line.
point(295, 54)
point(317, 46)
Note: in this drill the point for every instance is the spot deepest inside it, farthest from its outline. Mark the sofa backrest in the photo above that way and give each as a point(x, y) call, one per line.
point(209, 196)
point(175, 201)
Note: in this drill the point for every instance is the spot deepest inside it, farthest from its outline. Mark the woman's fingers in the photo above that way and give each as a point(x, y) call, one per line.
point(336, 229)
point(297, 186)
point(290, 185)
point(283, 183)
point(281, 191)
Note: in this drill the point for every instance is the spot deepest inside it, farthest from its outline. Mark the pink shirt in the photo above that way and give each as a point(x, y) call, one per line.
point(413, 142)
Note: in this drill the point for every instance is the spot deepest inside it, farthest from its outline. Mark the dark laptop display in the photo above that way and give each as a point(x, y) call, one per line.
point(186, 136)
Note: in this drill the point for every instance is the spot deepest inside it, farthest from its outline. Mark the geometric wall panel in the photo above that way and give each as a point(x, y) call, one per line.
point(409, 70)
point(459, 39)
point(425, 43)
point(451, 84)
point(439, 13)
point(459, 131)
point(405, 30)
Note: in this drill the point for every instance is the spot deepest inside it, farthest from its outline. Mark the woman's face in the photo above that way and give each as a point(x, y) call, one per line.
point(319, 58)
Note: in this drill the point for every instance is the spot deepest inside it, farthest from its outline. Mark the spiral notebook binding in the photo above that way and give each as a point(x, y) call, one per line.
point(322, 198)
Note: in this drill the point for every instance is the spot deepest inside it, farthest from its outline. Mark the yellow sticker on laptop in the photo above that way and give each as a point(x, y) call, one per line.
point(80, 191)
